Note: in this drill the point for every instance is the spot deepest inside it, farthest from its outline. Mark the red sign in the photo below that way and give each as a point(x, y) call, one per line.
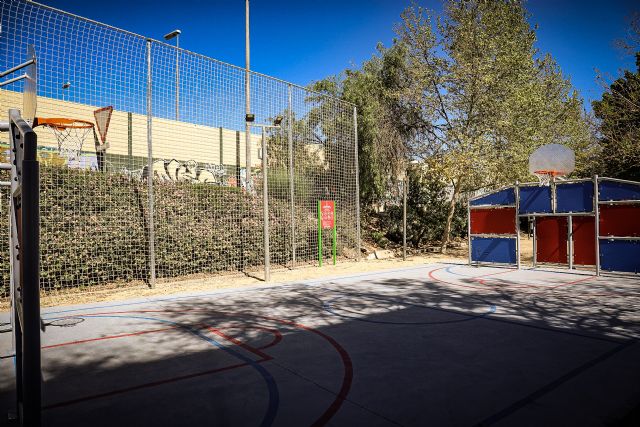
point(327, 208)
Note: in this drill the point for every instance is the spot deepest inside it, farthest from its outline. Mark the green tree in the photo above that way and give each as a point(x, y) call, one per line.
point(382, 138)
point(619, 125)
point(486, 100)
point(466, 94)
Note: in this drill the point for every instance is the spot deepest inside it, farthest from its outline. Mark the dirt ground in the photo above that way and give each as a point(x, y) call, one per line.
point(140, 290)
point(135, 290)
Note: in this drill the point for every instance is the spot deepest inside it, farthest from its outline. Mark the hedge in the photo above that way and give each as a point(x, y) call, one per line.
point(94, 229)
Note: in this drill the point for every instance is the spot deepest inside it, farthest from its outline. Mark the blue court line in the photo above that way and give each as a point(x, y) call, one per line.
point(274, 395)
point(450, 270)
point(327, 306)
point(242, 290)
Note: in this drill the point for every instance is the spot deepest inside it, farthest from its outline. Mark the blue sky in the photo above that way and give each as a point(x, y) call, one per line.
point(301, 41)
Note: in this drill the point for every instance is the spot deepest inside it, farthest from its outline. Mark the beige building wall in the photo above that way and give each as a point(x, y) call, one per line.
point(170, 139)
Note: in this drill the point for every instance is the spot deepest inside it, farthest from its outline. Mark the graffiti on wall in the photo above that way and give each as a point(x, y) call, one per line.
point(188, 171)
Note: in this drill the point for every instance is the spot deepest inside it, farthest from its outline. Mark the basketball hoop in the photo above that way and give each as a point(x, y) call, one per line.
point(551, 161)
point(70, 134)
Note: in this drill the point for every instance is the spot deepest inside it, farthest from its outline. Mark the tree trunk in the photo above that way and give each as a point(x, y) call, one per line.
point(452, 209)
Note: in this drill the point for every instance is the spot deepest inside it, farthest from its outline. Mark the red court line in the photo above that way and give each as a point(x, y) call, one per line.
point(525, 285)
point(432, 276)
point(277, 336)
point(109, 337)
point(542, 288)
point(146, 385)
point(478, 279)
point(238, 343)
point(347, 378)
point(264, 357)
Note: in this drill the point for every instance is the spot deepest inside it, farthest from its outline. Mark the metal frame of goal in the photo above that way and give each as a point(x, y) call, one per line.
point(576, 223)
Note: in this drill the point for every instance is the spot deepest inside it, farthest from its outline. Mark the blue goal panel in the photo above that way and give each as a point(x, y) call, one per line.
point(493, 249)
point(535, 200)
point(614, 191)
point(620, 255)
point(499, 198)
point(574, 197)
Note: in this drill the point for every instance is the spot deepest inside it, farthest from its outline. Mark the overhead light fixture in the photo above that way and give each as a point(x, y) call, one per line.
point(250, 118)
point(172, 34)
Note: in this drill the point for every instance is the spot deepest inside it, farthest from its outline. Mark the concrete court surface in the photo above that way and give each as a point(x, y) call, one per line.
point(437, 345)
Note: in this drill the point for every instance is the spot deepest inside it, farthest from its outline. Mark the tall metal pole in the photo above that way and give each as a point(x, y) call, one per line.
point(265, 210)
point(177, 77)
point(469, 230)
point(404, 216)
point(25, 268)
point(535, 231)
point(517, 191)
point(596, 209)
point(570, 240)
point(355, 133)
point(247, 99)
point(152, 237)
point(291, 178)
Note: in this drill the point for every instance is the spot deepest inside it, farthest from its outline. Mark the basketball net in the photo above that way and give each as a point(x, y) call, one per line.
point(70, 135)
point(547, 177)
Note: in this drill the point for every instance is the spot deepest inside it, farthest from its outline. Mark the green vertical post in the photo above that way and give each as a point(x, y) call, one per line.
point(334, 233)
point(319, 235)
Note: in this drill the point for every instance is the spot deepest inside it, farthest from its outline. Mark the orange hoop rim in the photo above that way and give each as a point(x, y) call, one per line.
point(550, 173)
point(61, 123)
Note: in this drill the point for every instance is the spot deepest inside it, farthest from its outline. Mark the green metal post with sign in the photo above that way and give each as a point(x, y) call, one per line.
point(326, 221)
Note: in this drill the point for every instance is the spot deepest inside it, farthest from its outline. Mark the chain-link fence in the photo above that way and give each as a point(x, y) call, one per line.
point(174, 188)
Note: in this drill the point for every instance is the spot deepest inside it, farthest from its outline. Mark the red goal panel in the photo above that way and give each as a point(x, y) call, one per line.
point(584, 240)
point(551, 240)
point(493, 221)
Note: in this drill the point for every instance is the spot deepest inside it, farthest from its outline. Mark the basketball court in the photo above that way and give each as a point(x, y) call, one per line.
point(438, 344)
point(488, 342)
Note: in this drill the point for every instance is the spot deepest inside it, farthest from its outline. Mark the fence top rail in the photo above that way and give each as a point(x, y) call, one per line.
point(182, 50)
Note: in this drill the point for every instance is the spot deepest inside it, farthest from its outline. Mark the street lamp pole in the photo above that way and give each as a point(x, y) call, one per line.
point(176, 34)
point(265, 193)
point(247, 97)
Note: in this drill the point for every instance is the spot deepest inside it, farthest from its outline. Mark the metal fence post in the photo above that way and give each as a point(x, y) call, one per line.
point(265, 210)
point(469, 230)
point(152, 237)
point(130, 141)
point(570, 240)
point(355, 133)
point(535, 231)
point(596, 208)
point(404, 216)
point(517, 191)
point(291, 177)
